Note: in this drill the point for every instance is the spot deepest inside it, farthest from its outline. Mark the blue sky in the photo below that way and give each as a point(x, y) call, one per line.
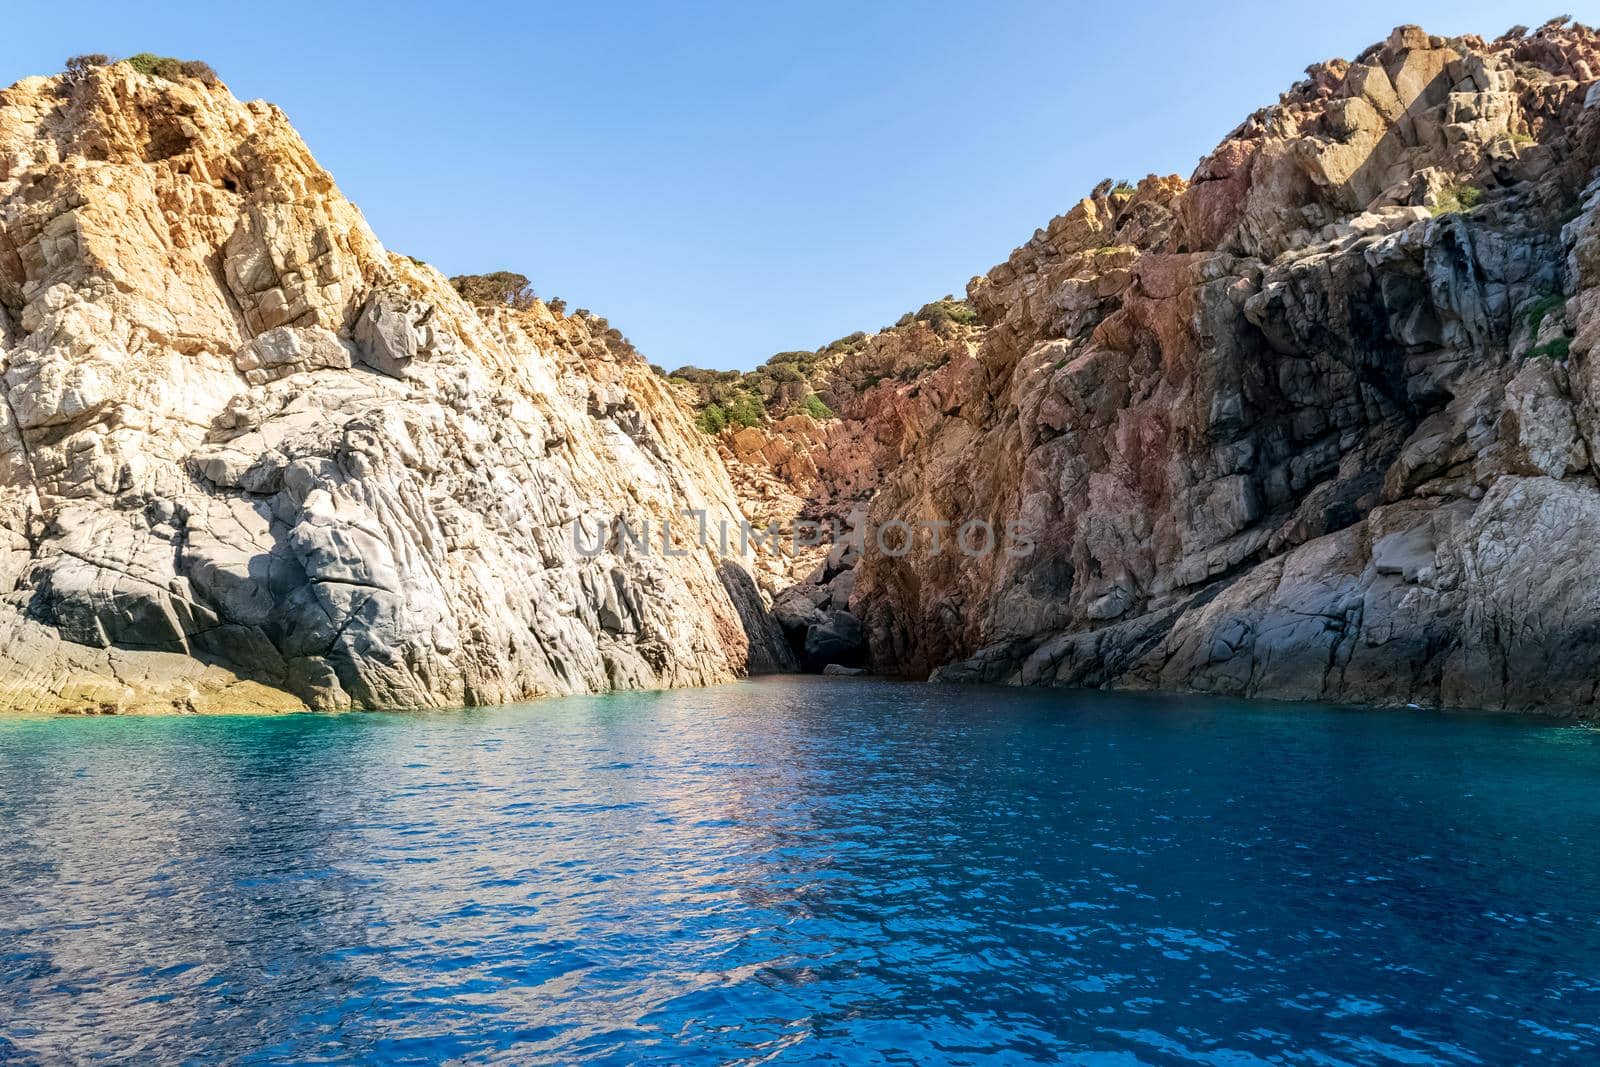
point(725, 181)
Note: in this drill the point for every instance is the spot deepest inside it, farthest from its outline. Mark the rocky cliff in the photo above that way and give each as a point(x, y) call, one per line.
point(1321, 422)
point(251, 459)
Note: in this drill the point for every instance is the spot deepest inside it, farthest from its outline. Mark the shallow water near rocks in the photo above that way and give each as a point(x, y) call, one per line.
point(801, 870)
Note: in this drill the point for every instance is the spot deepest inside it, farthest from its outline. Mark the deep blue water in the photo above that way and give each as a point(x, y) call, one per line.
point(803, 870)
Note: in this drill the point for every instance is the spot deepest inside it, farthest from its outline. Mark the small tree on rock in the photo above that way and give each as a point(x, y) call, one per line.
point(78, 67)
point(503, 287)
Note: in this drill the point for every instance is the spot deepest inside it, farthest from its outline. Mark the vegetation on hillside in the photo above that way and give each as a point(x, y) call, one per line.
point(1457, 199)
point(1542, 307)
point(786, 384)
point(940, 314)
point(168, 67)
point(495, 288)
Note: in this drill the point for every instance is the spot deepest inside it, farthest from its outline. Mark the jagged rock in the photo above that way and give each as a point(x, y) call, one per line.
point(287, 350)
point(1319, 423)
point(837, 638)
point(304, 473)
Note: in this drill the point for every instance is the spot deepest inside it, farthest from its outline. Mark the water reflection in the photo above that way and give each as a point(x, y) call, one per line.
point(866, 870)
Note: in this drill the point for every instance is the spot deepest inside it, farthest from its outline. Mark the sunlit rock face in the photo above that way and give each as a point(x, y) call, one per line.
point(1320, 422)
point(251, 459)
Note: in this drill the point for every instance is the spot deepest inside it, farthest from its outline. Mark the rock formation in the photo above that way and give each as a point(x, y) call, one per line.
point(882, 392)
point(251, 459)
point(1321, 422)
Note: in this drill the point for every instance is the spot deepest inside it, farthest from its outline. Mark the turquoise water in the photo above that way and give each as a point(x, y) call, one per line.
point(803, 870)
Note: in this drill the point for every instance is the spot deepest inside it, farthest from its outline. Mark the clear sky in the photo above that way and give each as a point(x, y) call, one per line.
point(725, 181)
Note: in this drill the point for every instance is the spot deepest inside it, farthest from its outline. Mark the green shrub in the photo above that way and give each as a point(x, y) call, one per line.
point(1556, 350)
point(784, 372)
point(947, 310)
point(167, 67)
point(1457, 199)
point(558, 306)
point(700, 376)
point(160, 66)
point(794, 356)
point(847, 343)
point(1123, 187)
point(1542, 307)
point(746, 410)
point(713, 419)
point(814, 407)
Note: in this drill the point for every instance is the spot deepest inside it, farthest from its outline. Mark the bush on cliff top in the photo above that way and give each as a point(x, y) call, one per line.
point(947, 310)
point(79, 66)
point(850, 342)
point(171, 68)
point(501, 287)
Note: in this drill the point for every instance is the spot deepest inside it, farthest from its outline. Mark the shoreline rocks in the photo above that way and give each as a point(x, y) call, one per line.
point(1318, 423)
point(253, 460)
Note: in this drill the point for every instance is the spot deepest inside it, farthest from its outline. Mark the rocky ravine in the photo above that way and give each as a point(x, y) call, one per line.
point(250, 459)
point(1322, 422)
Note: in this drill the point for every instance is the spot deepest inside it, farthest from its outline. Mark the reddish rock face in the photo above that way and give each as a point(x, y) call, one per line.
point(1319, 423)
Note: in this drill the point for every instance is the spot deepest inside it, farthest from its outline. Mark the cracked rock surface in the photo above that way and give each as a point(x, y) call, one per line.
point(1321, 422)
point(249, 459)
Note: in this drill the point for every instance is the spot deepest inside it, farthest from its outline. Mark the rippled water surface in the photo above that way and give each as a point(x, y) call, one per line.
point(798, 871)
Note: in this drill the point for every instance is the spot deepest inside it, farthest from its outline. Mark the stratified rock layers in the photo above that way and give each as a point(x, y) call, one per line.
point(1320, 423)
point(250, 459)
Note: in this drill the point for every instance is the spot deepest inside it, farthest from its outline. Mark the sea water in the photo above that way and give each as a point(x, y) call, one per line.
point(803, 870)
